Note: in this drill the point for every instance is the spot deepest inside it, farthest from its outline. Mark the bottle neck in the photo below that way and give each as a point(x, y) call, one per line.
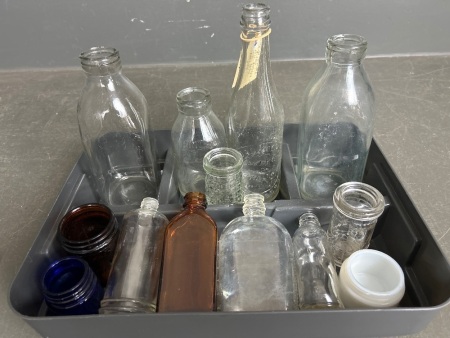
point(195, 200)
point(254, 205)
point(149, 204)
point(309, 226)
point(194, 101)
point(254, 61)
point(346, 49)
point(101, 61)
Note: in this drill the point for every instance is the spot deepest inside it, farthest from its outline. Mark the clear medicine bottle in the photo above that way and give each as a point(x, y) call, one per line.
point(134, 280)
point(317, 280)
point(255, 262)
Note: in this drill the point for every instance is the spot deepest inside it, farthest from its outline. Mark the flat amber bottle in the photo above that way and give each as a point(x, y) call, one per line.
point(189, 260)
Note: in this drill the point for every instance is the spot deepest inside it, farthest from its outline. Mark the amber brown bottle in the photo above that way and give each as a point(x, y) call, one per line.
point(189, 261)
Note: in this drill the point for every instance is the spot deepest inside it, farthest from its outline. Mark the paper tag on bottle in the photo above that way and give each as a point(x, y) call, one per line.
point(251, 66)
point(250, 72)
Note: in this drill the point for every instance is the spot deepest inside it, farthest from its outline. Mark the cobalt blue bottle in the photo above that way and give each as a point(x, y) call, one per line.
point(70, 287)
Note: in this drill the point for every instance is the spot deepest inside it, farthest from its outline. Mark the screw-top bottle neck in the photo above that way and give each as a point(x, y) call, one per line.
point(346, 49)
point(255, 19)
point(254, 205)
point(101, 61)
point(195, 200)
point(309, 225)
point(150, 204)
point(194, 101)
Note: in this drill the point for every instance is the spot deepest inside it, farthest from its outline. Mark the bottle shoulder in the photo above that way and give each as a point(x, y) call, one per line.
point(192, 217)
point(254, 224)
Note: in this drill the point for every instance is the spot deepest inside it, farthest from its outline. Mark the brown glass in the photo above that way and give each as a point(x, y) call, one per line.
point(90, 231)
point(189, 260)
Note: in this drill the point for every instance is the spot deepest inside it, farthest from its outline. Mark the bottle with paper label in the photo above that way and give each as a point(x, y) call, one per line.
point(255, 115)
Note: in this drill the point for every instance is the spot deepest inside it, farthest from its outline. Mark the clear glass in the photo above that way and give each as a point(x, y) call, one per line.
point(223, 168)
point(70, 287)
point(134, 280)
point(188, 271)
point(337, 120)
point(196, 131)
point(356, 209)
point(256, 116)
point(116, 132)
point(90, 231)
point(317, 280)
point(255, 262)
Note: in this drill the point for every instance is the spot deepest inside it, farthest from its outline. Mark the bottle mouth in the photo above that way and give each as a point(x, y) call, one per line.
point(358, 201)
point(193, 99)
point(346, 48)
point(68, 282)
point(255, 16)
point(87, 228)
point(99, 56)
point(222, 161)
point(195, 198)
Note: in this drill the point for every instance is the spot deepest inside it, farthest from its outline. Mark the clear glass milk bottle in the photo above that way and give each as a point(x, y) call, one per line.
point(196, 131)
point(255, 262)
point(115, 131)
point(337, 120)
point(256, 116)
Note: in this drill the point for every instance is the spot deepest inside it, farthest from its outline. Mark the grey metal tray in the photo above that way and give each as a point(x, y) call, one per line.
point(400, 232)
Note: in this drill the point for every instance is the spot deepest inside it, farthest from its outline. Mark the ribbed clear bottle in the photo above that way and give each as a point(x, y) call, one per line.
point(256, 115)
point(223, 180)
point(255, 262)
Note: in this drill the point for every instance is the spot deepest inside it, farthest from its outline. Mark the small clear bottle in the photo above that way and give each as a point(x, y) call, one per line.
point(116, 132)
point(189, 259)
point(70, 287)
point(255, 115)
point(356, 209)
point(317, 280)
point(134, 280)
point(196, 131)
point(90, 231)
point(223, 181)
point(255, 262)
point(337, 120)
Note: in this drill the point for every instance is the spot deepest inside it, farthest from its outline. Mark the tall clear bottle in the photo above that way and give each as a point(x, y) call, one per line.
point(115, 131)
point(337, 120)
point(196, 131)
point(317, 280)
point(256, 116)
point(189, 259)
point(134, 280)
point(255, 262)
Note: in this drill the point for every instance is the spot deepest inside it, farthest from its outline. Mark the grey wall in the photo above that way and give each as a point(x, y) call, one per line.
point(51, 33)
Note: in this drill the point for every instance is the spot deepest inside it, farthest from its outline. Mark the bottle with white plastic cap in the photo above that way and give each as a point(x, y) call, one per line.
point(371, 279)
